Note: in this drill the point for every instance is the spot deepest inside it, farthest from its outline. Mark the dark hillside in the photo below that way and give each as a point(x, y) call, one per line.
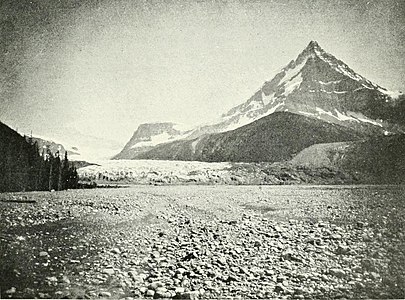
point(22, 168)
point(277, 137)
point(17, 160)
point(378, 160)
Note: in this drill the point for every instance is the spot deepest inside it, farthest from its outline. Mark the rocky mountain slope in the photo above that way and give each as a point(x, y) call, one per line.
point(277, 137)
point(374, 160)
point(149, 135)
point(318, 85)
point(53, 146)
point(315, 85)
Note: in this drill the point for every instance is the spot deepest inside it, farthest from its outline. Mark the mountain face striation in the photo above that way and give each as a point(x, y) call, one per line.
point(316, 86)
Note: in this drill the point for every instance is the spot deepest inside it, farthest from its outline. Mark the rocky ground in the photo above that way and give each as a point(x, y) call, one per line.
point(193, 242)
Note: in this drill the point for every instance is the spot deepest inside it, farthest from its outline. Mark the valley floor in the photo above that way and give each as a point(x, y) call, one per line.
point(204, 242)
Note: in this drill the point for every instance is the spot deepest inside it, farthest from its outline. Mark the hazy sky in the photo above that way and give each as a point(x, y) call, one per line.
point(103, 67)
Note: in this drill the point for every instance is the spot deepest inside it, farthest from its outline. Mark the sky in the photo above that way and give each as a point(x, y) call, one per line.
point(100, 68)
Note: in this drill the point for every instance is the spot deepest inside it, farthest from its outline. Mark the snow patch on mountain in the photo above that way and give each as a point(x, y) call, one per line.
point(293, 84)
point(268, 99)
point(182, 127)
point(392, 94)
point(340, 92)
point(344, 117)
point(305, 113)
point(329, 82)
point(367, 87)
point(242, 121)
point(154, 140)
point(245, 119)
point(291, 73)
point(324, 112)
point(320, 113)
point(273, 109)
point(363, 118)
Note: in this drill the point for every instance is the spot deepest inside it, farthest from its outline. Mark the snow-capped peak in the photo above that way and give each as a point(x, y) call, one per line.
point(314, 49)
point(314, 75)
point(316, 84)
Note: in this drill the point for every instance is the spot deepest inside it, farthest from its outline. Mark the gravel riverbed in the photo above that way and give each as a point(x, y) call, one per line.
point(196, 242)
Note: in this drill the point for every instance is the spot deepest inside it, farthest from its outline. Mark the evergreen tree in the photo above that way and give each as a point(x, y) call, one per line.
point(65, 172)
point(23, 168)
point(50, 174)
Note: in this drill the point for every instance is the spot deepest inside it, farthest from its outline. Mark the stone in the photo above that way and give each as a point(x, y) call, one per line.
point(279, 288)
point(360, 224)
point(109, 271)
point(180, 271)
point(43, 254)
point(105, 294)
point(65, 279)
point(222, 260)
point(285, 283)
point(190, 256)
point(150, 293)
point(232, 278)
point(193, 295)
point(116, 251)
point(52, 279)
point(269, 272)
point(342, 249)
point(11, 291)
point(336, 236)
point(185, 283)
point(179, 290)
point(43, 295)
point(299, 291)
point(162, 292)
point(155, 285)
point(337, 272)
point(58, 293)
point(133, 274)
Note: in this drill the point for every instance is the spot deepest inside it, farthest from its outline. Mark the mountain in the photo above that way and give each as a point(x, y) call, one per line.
point(79, 146)
point(54, 147)
point(269, 139)
point(149, 135)
point(316, 85)
point(375, 160)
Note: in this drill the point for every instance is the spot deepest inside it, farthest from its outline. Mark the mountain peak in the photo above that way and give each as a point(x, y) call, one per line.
point(313, 44)
point(313, 48)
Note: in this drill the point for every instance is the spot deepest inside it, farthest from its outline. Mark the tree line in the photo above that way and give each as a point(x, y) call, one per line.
point(24, 168)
